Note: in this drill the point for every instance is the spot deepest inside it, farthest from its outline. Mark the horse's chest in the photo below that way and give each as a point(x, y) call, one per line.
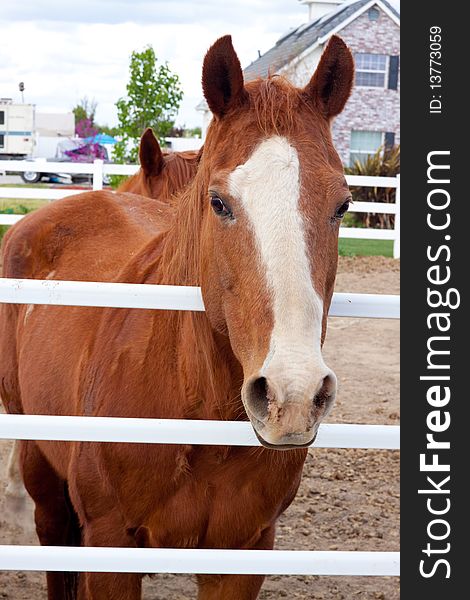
point(183, 496)
point(223, 502)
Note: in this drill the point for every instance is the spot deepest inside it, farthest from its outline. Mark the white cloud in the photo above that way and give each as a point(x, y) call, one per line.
point(144, 11)
point(66, 50)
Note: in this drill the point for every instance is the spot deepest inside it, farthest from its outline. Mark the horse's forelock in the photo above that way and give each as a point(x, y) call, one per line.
point(275, 102)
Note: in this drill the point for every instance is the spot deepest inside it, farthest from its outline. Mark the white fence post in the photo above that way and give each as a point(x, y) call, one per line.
point(97, 174)
point(396, 243)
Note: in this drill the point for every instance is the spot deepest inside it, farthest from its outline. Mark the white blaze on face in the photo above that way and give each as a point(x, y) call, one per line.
point(268, 188)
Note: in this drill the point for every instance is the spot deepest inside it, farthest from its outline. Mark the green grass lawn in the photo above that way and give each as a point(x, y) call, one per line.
point(357, 247)
point(16, 204)
point(24, 185)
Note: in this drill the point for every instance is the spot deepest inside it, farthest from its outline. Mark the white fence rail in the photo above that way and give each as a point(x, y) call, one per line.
point(98, 168)
point(165, 297)
point(225, 562)
point(182, 431)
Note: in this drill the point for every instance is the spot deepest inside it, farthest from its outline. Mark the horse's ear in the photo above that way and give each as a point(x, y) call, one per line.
point(150, 154)
point(222, 77)
point(332, 82)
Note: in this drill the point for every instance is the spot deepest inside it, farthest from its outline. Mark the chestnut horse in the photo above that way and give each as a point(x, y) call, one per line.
point(257, 229)
point(161, 175)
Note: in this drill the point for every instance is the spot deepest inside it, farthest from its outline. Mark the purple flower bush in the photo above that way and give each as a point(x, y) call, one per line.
point(89, 151)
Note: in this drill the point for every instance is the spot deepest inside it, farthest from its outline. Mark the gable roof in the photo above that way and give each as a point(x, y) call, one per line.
point(294, 43)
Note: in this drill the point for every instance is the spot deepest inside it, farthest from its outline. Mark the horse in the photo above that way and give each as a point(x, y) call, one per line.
point(160, 176)
point(257, 229)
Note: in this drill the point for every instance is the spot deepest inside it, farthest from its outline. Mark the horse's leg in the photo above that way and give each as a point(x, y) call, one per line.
point(109, 531)
point(103, 524)
point(56, 522)
point(112, 586)
point(15, 493)
point(236, 587)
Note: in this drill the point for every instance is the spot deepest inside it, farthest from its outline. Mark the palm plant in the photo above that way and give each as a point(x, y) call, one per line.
point(384, 163)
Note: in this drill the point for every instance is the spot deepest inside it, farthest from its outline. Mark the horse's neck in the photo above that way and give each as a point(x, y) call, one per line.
point(208, 371)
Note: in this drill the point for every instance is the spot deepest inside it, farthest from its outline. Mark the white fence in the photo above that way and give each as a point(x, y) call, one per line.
point(224, 562)
point(182, 431)
point(98, 168)
point(166, 297)
point(102, 429)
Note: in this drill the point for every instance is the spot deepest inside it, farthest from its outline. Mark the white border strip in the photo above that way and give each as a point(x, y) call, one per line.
point(165, 297)
point(182, 431)
point(171, 560)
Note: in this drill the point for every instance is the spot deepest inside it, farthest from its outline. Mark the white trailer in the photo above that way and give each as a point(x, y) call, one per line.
point(16, 129)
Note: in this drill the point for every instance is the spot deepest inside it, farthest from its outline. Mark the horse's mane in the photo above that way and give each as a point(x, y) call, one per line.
point(274, 101)
point(182, 249)
point(128, 185)
point(179, 169)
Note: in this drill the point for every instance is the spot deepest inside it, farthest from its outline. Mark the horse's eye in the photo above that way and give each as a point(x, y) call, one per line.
point(219, 207)
point(343, 209)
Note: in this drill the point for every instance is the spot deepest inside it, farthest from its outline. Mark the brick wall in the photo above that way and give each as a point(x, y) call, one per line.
point(369, 109)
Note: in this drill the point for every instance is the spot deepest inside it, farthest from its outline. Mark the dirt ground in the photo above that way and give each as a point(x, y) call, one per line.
point(348, 499)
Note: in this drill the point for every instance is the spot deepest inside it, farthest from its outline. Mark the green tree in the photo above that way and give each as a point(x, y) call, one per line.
point(153, 97)
point(112, 131)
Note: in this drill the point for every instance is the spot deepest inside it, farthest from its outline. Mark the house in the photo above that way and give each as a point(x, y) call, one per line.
point(371, 28)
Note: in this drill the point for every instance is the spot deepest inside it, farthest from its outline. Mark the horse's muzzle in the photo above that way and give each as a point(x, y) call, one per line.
point(287, 414)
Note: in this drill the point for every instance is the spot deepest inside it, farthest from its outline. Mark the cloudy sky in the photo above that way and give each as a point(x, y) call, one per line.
point(66, 49)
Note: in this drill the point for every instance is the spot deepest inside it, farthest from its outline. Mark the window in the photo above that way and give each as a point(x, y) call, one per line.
point(371, 70)
point(374, 14)
point(364, 144)
point(2, 117)
point(2, 140)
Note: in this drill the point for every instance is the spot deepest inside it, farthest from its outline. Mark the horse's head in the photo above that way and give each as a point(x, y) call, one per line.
point(276, 194)
point(160, 176)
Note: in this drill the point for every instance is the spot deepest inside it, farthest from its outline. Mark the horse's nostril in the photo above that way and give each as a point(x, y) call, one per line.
point(257, 398)
point(326, 391)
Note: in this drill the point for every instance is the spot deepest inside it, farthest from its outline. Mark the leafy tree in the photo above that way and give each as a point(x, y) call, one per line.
point(112, 131)
point(153, 97)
